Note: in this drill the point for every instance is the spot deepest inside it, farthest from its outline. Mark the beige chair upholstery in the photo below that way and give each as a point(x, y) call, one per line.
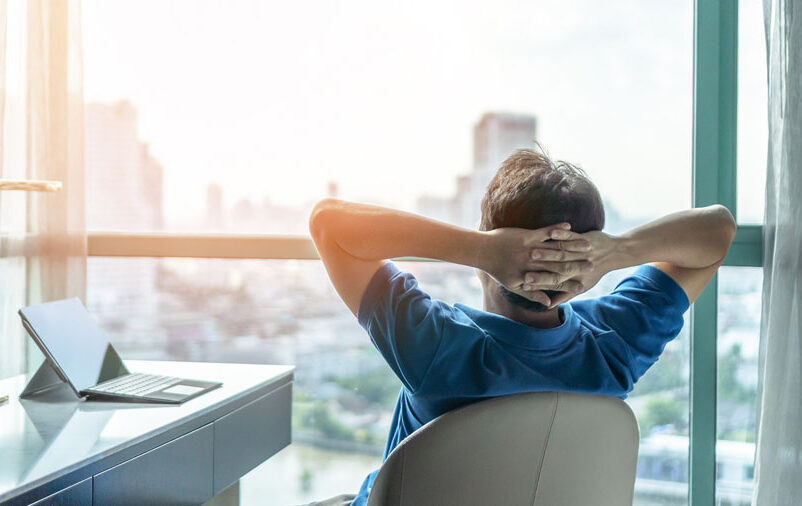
point(534, 449)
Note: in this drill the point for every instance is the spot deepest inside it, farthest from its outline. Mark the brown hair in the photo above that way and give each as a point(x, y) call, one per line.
point(532, 191)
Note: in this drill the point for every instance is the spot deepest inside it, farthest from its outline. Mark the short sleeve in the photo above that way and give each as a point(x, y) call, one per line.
point(404, 323)
point(638, 319)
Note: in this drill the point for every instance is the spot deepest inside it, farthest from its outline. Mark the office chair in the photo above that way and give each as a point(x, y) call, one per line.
point(532, 449)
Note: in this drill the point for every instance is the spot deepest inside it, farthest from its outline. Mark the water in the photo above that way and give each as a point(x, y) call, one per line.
point(300, 474)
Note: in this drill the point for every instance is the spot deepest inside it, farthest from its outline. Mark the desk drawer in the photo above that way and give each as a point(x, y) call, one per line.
point(79, 494)
point(175, 473)
point(250, 435)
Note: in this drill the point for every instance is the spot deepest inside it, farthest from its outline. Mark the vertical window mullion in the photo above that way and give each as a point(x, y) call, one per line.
point(714, 181)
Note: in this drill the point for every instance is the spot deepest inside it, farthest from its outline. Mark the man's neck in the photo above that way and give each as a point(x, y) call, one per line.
point(537, 319)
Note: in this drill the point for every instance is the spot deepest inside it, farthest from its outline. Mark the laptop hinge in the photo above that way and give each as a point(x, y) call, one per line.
point(43, 380)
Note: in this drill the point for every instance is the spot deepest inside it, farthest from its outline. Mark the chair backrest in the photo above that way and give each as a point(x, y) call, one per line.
point(533, 449)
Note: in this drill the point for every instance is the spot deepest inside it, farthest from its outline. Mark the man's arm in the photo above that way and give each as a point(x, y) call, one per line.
point(354, 240)
point(689, 246)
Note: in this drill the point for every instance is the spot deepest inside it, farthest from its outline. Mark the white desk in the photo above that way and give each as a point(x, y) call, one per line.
point(59, 449)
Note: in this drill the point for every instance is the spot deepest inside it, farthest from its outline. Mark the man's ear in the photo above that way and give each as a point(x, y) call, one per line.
point(490, 286)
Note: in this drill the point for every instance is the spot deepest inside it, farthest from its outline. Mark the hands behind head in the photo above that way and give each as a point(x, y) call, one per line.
point(530, 262)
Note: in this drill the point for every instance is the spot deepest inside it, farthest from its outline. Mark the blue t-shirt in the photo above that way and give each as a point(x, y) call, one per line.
point(450, 356)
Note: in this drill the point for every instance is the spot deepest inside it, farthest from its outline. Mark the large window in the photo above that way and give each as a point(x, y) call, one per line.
point(739, 300)
point(268, 311)
point(13, 271)
point(236, 117)
point(285, 311)
point(13, 205)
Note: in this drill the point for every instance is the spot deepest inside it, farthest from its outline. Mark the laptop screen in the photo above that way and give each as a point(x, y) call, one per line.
point(73, 339)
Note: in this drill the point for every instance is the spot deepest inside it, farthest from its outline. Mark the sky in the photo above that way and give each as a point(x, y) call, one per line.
point(273, 100)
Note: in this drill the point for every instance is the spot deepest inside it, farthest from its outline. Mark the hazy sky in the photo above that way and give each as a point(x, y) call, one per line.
point(275, 99)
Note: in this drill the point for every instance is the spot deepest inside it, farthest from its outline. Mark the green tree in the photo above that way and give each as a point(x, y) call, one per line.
point(662, 411)
point(729, 388)
point(667, 374)
point(379, 386)
point(319, 418)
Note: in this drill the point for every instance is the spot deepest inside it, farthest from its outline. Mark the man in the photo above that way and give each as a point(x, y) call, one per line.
point(539, 244)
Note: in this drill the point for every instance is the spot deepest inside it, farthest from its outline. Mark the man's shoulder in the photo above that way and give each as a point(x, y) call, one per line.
point(645, 281)
point(647, 302)
point(395, 293)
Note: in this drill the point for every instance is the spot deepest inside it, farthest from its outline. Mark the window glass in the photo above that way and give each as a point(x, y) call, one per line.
point(13, 340)
point(752, 112)
point(285, 311)
point(739, 306)
point(14, 205)
point(409, 105)
point(274, 311)
point(660, 401)
point(412, 105)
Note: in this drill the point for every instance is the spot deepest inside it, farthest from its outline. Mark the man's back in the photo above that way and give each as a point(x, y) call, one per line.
point(449, 356)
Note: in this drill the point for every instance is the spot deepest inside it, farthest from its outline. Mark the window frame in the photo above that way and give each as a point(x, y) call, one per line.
point(715, 106)
point(715, 102)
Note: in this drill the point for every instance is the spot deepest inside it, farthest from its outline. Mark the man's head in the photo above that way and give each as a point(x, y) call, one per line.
point(532, 191)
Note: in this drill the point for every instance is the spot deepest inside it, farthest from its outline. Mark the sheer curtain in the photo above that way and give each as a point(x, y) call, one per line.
point(42, 236)
point(779, 445)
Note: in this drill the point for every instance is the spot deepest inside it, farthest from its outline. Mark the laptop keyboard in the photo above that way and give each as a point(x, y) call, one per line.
point(135, 384)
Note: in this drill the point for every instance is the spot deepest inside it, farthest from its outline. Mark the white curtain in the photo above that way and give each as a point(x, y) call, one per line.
point(42, 236)
point(778, 478)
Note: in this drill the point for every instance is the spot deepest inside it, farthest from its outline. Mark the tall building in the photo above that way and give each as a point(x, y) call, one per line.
point(152, 187)
point(123, 193)
point(495, 136)
point(123, 180)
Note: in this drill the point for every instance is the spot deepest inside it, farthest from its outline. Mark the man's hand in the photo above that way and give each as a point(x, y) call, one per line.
point(552, 257)
point(689, 246)
point(559, 267)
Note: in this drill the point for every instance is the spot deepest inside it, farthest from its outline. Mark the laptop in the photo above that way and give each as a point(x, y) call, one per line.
point(85, 359)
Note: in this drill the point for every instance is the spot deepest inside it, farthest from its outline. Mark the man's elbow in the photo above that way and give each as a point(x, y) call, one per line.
point(726, 227)
point(322, 216)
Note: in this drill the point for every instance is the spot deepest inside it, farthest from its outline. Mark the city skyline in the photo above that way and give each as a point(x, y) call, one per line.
point(387, 107)
point(495, 137)
point(125, 182)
